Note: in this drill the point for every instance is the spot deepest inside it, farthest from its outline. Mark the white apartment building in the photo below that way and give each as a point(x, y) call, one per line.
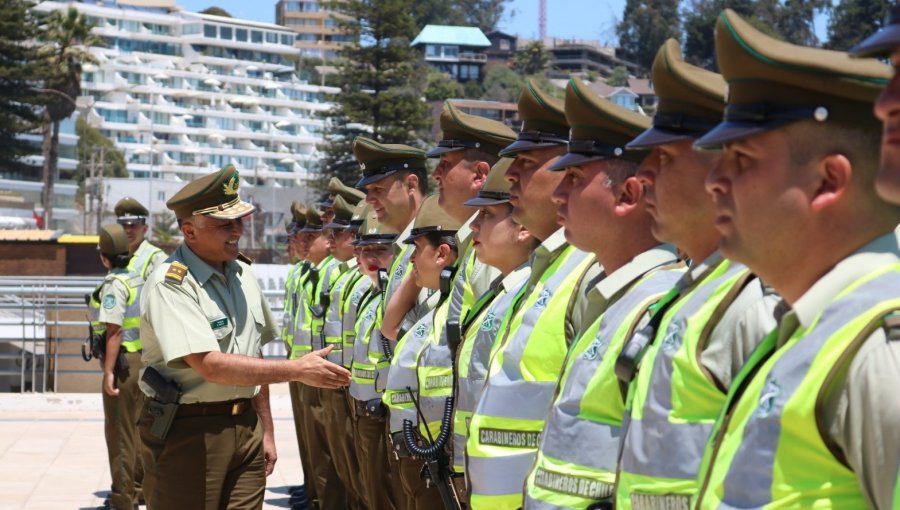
point(185, 93)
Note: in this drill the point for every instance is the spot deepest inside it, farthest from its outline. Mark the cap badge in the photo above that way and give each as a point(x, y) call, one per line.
point(230, 187)
point(821, 114)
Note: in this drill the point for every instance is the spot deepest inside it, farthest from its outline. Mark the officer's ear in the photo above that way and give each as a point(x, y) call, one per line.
point(628, 195)
point(411, 181)
point(188, 229)
point(833, 175)
point(481, 171)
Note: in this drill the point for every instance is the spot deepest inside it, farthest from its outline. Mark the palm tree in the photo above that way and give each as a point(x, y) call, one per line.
point(65, 35)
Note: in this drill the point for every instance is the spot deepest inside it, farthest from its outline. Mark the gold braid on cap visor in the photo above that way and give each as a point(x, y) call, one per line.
point(217, 208)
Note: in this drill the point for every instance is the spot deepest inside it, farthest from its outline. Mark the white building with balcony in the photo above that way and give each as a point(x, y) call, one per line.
point(457, 51)
point(183, 94)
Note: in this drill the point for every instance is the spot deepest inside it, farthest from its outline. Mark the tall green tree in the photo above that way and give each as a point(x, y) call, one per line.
point(502, 84)
point(645, 26)
point(854, 20)
point(437, 12)
point(65, 33)
point(484, 14)
point(699, 28)
point(216, 11)
point(20, 68)
point(532, 59)
point(441, 86)
point(794, 20)
point(381, 77)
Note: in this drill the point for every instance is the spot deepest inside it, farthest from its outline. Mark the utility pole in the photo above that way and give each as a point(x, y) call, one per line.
point(99, 183)
point(542, 19)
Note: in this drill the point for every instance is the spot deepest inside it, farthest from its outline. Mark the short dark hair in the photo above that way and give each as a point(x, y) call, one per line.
point(474, 155)
point(422, 176)
point(446, 237)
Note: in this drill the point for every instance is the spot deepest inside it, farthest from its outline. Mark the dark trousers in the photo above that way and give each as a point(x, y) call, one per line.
point(299, 421)
point(330, 491)
point(205, 462)
point(380, 485)
point(339, 438)
point(120, 416)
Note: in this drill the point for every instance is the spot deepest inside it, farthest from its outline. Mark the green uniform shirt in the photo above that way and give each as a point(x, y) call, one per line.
point(207, 311)
point(113, 299)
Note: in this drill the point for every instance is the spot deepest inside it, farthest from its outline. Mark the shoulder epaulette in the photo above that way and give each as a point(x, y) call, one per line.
point(176, 273)
point(892, 326)
point(245, 259)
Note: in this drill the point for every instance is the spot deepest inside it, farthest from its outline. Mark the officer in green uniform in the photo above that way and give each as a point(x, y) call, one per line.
point(336, 420)
point(705, 328)
point(885, 44)
point(145, 257)
point(603, 211)
point(336, 188)
point(434, 237)
point(300, 494)
point(375, 252)
point(203, 323)
point(309, 325)
point(811, 420)
point(502, 243)
point(540, 323)
point(119, 314)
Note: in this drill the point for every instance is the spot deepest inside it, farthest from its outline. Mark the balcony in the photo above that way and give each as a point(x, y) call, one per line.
point(465, 56)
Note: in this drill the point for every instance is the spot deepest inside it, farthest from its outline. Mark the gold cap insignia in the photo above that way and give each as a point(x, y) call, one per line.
point(231, 186)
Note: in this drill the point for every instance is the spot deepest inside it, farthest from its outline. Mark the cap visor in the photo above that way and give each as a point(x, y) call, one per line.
point(238, 210)
point(336, 226)
point(573, 159)
point(484, 201)
point(879, 44)
point(655, 136)
point(369, 179)
point(325, 204)
point(316, 228)
point(730, 131)
point(436, 152)
point(368, 241)
point(524, 145)
point(130, 220)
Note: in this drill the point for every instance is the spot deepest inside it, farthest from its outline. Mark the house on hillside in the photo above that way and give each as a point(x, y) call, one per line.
point(503, 46)
point(457, 51)
point(643, 87)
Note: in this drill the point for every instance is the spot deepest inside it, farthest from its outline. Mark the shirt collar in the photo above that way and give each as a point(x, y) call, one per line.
point(608, 287)
point(515, 277)
point(878, 253)
point(547, 252)
point(200, 270)
point(399, 245)
point(699, 271)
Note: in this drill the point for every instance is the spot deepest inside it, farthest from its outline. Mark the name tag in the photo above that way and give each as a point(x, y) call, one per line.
point(220, 327)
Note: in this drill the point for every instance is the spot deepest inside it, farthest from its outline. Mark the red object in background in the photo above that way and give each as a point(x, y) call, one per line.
point(39, 220)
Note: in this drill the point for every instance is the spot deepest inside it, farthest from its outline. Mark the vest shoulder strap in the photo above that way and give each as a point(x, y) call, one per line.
point(745, 279)
point(890, 321)
point(176, 273)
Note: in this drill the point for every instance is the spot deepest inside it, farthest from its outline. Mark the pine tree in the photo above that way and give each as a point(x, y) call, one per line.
point(854, 20)
point(382, 80)
point(645, 26)
point(484, 14)
point(794, 20)
point(699, 28)
point(532, 59)
point(20, 71)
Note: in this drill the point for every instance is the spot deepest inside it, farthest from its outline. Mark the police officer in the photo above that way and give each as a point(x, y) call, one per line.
point(707, 326)
point(375, 252)
point(500, 242)
point(119, 316)
point(203, 323)
point(539, 325)
point(812, 418)
point(309, 324)
point(603, 211)
point(145, 257)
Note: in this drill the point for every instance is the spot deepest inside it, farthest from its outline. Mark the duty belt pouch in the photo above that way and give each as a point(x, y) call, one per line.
point(121, 361)
point(399, 445)
point(163, 416)
point(375, 408)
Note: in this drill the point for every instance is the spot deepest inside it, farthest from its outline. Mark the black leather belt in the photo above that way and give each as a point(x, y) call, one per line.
point(230, 408)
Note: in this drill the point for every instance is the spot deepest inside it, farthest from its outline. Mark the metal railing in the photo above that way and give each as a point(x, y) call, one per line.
point(43, 322)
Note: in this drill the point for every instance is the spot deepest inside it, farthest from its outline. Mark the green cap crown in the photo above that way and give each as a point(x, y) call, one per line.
point(130, 209)
point(772, 83)
point(313, 219)
point(543, 121)
point(338, 189)
point(213, 195)
point(431, 217)
point(113, 240)
point(496, 186)
point(343, 213)
point(379, 160)
point(460, 130)
point(372, 231)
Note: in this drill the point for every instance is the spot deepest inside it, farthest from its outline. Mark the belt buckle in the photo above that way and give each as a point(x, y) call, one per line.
point(236, 408)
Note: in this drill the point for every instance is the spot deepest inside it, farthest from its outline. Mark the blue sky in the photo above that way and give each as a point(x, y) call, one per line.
point(565, 18)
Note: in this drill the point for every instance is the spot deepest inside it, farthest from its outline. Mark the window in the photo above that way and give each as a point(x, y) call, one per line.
point(271, 38)
point(431, 50)
point(241, 34)
point(209, 30)
point(256, 36)
point(286, 39)
point(161, 196)
point(307, 37)
point(193, 28)
point(225, 33)
point(504, 44)
point(292, 6)
point(331, 22)
point(451, 51)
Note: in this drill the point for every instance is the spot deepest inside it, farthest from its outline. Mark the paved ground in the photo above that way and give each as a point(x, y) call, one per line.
point(53, 457)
